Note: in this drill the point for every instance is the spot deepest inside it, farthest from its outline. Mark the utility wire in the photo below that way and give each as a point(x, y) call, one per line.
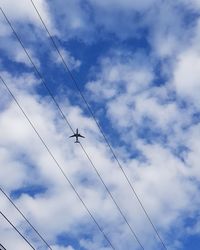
point(68, 123)
point(36, 69)
point(56, 162)
point(2, 247)
point(35, 230)
point(97, 123)
point(17, 230)
point(110, 194)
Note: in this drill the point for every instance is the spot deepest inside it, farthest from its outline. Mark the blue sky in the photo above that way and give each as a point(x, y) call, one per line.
point(137, 64)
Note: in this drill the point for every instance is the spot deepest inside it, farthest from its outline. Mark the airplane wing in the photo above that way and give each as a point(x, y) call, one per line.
point(79, 135)
point(72, 136)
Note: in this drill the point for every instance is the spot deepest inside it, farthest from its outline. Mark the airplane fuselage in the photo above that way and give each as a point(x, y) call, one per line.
point(77, 135)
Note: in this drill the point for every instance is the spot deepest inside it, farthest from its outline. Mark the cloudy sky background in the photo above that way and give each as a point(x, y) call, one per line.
point(137, 64)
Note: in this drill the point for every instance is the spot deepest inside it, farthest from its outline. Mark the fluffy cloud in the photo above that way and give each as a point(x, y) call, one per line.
point(72, 19)
point(43, 171)
point(148, 112)
point(69, 59)
point(186, 78)
point(121, 73)
point(23, 12)
point(156, 141)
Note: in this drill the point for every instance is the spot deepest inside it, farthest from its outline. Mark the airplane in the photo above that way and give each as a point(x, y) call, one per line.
point(77, 135)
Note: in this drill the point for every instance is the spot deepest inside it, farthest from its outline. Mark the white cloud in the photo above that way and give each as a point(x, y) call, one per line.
point(23, 11)
point(71, 62)
point(123, 82)
point(19, 135)
point(16, 54)
point(186, 75)
point(162, 171)
point(126, 87)
point(7, 233)
point(72, 19)
point(24, 20)
point(121, 73)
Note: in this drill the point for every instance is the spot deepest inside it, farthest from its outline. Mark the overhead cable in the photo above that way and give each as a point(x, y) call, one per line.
point(57, 164)
point(4, 216)
point(68, 123)
point(2, 247)
point(97, 123)
point(29, 223)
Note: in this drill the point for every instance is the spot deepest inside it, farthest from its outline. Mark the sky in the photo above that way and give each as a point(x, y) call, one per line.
point(137, 64)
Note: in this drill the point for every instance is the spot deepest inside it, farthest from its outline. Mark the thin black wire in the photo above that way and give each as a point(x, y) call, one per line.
point(17, 230)
point(36, 69)
point(64, 117)
point(58, 165)
point(35, 230)
point(110, 194)
point(3, 248)
point(97, 123)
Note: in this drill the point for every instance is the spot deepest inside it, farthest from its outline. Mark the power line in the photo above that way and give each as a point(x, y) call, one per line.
point(56, 162)
point(110, 194)
point(64, 117)
point(35, 230)
point(17, 230)
point(2, 247)
point(97, 123)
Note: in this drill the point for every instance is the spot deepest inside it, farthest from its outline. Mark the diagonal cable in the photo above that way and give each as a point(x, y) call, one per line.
point(2, 247)
point(29, 223)
point(98, 124)
point(64, 117)
point(56, 162)
point(3, 215)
